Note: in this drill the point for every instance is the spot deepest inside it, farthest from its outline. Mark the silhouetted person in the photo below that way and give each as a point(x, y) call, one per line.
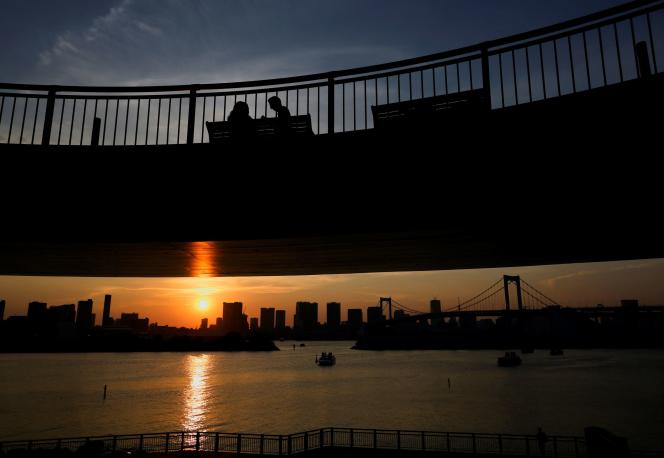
point(242, 125)
point(283, 114)
point(104, 392)
point(542, 439)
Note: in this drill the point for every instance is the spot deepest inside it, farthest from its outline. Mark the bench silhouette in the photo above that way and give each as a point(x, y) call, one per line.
point(420, 112)
point(299, 126)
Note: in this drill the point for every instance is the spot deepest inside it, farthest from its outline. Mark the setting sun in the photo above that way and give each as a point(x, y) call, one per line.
point(203, 304)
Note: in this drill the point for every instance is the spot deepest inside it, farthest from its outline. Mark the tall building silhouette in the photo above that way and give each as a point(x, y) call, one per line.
point(306, 316)
point(2, 310)
point(37, 312)
point(333, 314)
point(106, 319)
point(280, 320)
point(354, 319)
point(267, 319)
point(233, 321)
point(374, 315)
point(253, 324)
point(435, 306)
point(204, 323)
point(84, 319)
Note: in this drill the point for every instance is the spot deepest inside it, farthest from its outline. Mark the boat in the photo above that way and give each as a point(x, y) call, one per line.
point(510, 359)
point(556, 352)
point(326, 359)
point(302, 345)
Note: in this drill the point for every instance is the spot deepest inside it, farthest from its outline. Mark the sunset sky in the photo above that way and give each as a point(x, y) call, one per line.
point(175, 301)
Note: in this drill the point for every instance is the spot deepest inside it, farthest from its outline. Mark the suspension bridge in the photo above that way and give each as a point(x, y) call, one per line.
point(508, 296)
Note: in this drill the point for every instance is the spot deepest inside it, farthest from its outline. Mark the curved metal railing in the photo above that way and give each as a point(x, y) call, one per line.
point(608, 47)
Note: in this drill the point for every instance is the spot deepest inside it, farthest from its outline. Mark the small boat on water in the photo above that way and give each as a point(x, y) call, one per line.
point(326, 359)
point(302, 345)
point(510, 359)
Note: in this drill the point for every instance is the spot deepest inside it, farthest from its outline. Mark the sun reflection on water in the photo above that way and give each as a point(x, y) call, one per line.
point(196, 394)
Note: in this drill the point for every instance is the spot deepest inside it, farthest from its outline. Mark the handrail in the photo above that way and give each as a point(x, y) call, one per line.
point(626, 7)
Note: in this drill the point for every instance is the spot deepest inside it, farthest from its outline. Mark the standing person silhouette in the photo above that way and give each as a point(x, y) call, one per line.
point(542, 439)
point(242, 125)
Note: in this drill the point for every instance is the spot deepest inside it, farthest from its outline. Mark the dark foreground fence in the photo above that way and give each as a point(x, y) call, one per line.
point(612, 46)
point(309, 441)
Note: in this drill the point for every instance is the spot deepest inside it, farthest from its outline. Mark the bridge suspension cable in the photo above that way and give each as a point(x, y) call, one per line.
point(483, 296)
point(527, 289)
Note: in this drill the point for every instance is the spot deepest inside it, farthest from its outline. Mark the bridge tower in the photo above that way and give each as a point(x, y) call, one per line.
point(507, 279)
point(388, 301)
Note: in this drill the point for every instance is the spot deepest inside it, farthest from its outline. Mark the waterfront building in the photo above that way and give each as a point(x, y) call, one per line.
point(106, 318)
point(280, 320)
point(333, 315)
point(253, 324)
point(2, 310)
point(267, 320)
point(374, 315)
point(306, 316)
point(233, 320)
point(204, 324)
point(355, 319)
point(84, 319)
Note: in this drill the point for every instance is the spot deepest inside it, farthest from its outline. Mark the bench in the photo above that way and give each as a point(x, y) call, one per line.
point(424, 111)
point(298, 126)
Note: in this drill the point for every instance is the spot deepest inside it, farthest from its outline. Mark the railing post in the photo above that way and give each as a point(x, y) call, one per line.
point(182, 442)
point(216, 443)
point(330, 105)
point(352, 438)
point(260, 448)
point(474, 444)
point(449, 445)
point(289, 449)
point(96, 128)
point(48, 117)
point(168, 439)
point(239, 443)
point(486, 76)
point(281, 439)
point(191, 118)
point(398, 440)
point(642, 59)
point(306, 441)
point(115, 443)
point(500, 444)
point(140, 442)
point(198, 441)
point(321, 438)
point(375, 442)
point(332, 436)
point(424, 447)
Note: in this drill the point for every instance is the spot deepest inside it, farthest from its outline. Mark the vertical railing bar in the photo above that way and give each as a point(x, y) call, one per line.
point(571, 64)
point(126, 125)
point(25, 110)
point(317, 109)
point(458, 78)
point(71, 123)
point(652, 43)
point(62, 113)
point(48, 118)
point(179, 118)
point(343, 106)
point(601, 53)
point(103, 134)
point(445, 75)
point(541, 56)
point(138, 115)
point(399, 87)
point(422, 84)
point(297, 102)
point(636, 60)
point(147, 121)
point(115, 127)
point(516, 88)
point(287, 94)
point(330, 105)
point(555, 56)
point(203, 118)
point(168, 122)
point(470, 71)
point(615, 37)
point(34, 122)
point(366, 126)
point(410, 85)
point(156, 140)
point(433, 79)
point(85, 115)
point(530, 86)
point(191, 115)
point(2, 108)
point(502, 88)
point(585, 53)
point(354, 106)
point(214, 109)
point(387, 80)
